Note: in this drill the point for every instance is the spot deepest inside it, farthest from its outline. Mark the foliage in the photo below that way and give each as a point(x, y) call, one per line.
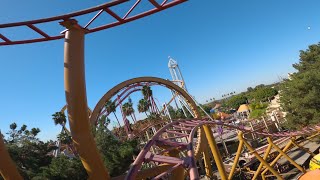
point(263, 94)
point(153, 116)
point(64, 138)
point(259, 86)
point(127, 108)
point(117, 156)
point(35, 161)
point(146, 92)
point(300, 95)
point(59, 118)
point(64, 168)
point(235, 101)
point(255, 106)
point(172, 112)
point(110, 106)
point(179, 114)
point(257, 113)
point(258, 110)
point(206, 108)
point(28, 152)
point(143, 105)
point(189, 115)
point(249, 89)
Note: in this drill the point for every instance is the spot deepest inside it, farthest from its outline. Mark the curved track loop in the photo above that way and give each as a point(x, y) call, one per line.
point(125, 92)
point(178, 136)
point(104, 8)
point(138, 82)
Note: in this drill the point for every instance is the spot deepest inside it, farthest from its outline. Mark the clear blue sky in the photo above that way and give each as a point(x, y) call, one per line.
point(221, 46)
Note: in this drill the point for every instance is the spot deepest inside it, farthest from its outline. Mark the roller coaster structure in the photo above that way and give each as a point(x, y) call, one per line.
point(175, 150)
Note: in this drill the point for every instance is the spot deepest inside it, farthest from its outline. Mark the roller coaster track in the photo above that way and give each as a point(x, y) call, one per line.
point(174, 148)
point(178, 136)
point(122, 94)
point(119, 19)
point(74, 64)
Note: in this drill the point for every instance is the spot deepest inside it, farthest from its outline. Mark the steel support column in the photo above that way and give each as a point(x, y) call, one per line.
point(207, 163)
point(261, 159)
point(75, 90)
point(285, 155)
point(215, 152)
point(266, 154)
point(285, 149)
point(236, 159)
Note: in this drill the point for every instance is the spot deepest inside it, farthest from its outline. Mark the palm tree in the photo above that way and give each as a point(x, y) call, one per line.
point(111, 107)
point(143, 106)
point(13, 126)
point(131, 109)
point(147, 93)
point(133, 116)
point(128, 110)
point(64, 138)
point(35, 131)
point(60, 118)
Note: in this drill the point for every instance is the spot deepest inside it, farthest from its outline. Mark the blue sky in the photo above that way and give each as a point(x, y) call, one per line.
point(221, 46)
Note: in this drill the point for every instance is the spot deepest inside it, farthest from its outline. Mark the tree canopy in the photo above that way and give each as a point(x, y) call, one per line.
point(263, 94)
point(117, 156)
point(34, 158)
point(235, 101)
point(27, 151)
point(300, 93)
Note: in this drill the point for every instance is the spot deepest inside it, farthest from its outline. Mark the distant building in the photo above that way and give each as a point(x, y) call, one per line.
point(244, 111)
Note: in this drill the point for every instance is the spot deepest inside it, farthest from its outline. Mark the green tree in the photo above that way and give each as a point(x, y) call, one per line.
point(60, 118)
point(172, 112)
point(205, 108)
point(143, 106)
point(64, 138)
point(128, 110)
point(13, 126)
point(259, 86)
point(28, 152)
point(146, 92)
point(258, 110)
point(263, 94)
point(23, 128)
point(117, 156)
point(235, 101)
point(64, 168)
point(300, 95)
point(179, 113)
point(111, 107)
point(13, 134)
